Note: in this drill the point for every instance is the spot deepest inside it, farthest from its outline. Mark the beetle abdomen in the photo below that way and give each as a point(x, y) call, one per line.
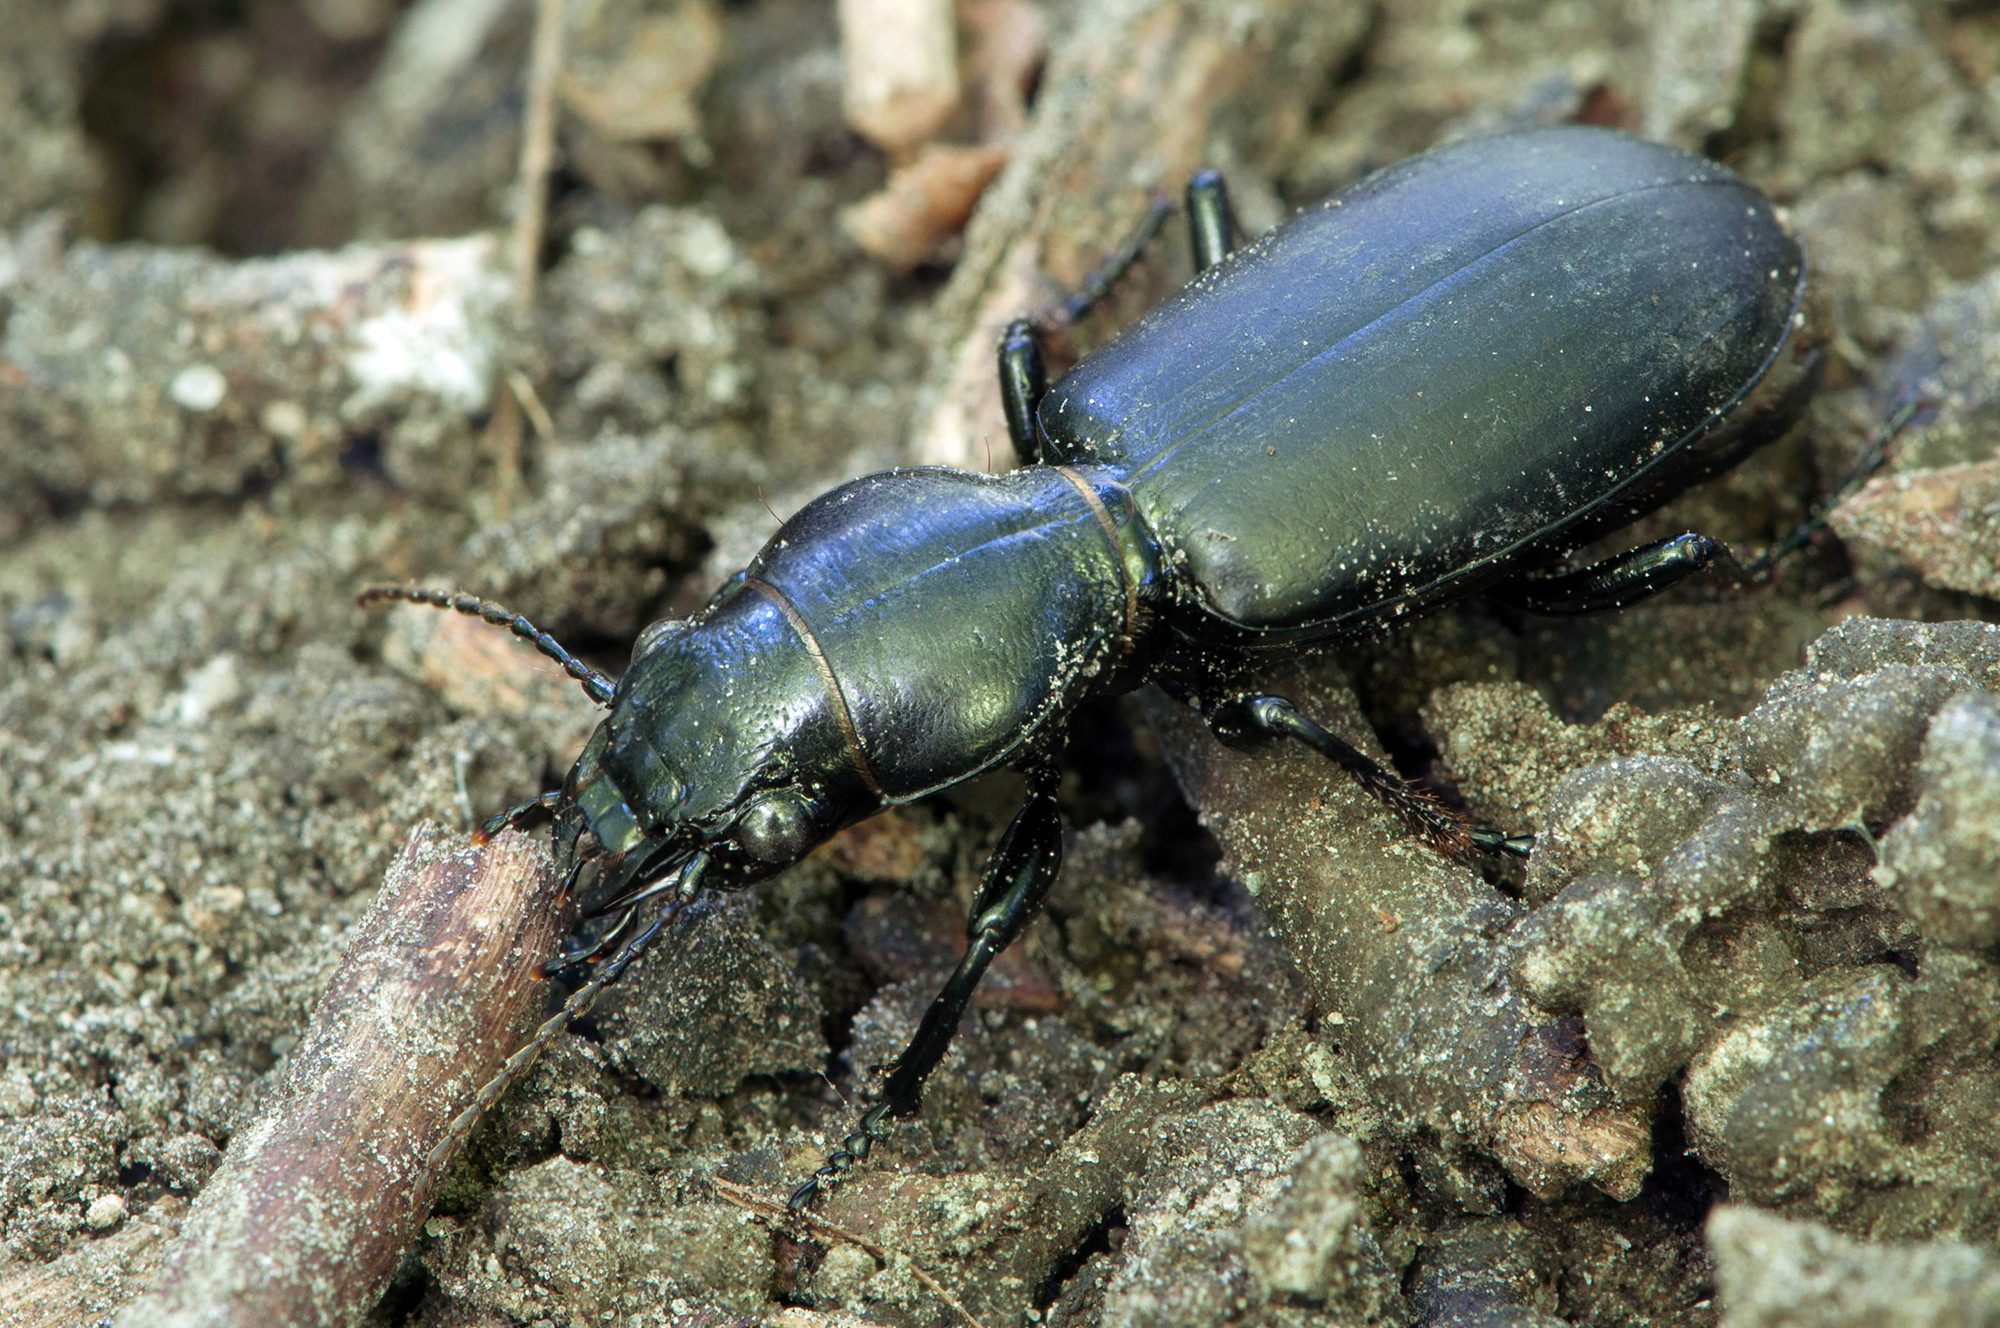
point(1392, 396)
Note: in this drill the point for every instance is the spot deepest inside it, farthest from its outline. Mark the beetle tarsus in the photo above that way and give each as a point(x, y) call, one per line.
point(597, 686)
point(1488, 839)
point(1017, 880)
point(1873, 458)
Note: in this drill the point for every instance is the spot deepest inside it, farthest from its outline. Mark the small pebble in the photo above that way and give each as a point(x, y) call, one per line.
point(198, 387)
point(105, 1212)
point(286, 419)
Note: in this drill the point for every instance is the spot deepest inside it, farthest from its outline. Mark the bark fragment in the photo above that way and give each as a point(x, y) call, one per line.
point(316, 1201)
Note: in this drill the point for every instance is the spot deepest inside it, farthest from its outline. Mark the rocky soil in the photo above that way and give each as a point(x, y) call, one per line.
point(1723, 1051)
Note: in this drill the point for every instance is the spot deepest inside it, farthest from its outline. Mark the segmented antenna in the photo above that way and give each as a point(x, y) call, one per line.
point(577, 1006)
point(596, 685)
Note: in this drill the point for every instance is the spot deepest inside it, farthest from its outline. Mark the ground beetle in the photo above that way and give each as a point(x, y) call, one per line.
point(1436, 383)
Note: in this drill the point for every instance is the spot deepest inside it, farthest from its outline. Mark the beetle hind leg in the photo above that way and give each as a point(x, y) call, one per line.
point(1629, 577)
point(1244, 721)
point(1018, 878)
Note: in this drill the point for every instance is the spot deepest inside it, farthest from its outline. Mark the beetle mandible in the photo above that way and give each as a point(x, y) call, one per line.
point(1436, 383)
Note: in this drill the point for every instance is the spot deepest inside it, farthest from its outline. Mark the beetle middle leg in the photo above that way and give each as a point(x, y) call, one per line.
point(1017, 880)
point(1247, 720)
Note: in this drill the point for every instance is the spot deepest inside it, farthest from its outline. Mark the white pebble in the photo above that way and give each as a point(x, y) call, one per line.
point(286, 419)
point(105, 1212)
point(198, 387)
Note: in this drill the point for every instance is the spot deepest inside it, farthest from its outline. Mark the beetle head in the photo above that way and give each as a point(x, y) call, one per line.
point(720, 746)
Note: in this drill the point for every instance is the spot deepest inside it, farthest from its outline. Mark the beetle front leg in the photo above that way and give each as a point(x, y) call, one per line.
point(1017, 880)
point(532, 812)
point(1629, 577)
point(1245, 721)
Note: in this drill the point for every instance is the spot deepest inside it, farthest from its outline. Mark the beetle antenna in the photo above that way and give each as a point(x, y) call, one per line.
point(578, 1005)
point(597, 686)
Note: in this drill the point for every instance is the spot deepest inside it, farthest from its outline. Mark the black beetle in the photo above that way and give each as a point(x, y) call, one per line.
point(1433, 384)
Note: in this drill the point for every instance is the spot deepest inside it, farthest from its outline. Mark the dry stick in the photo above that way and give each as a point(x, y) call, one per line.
point(756, 1203)
point(531, 402)
point(317, 1200)
point(538, 150)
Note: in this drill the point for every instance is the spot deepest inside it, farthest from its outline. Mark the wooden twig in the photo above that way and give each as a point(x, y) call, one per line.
point(531, 402)
point(538, 148)
point(751, 1201)
point(317, 1201)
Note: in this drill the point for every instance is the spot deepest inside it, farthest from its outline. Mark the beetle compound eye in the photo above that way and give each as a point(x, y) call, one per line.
point(654, 633)
point(775, 829)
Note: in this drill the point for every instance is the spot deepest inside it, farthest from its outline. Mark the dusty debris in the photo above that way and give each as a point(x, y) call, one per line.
point(1942, 862)
point(1810, 1105)
point(1216, 1179)
point(1698, 55)
point(1312, 1241)
point(1401, 944)
point(134, 375)
point(1492, 1271)
point(712, 1005)
point(1005, 42)
point(924, 205)
point(90, 1281)
point(1771, 1273)
point(636, 74)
